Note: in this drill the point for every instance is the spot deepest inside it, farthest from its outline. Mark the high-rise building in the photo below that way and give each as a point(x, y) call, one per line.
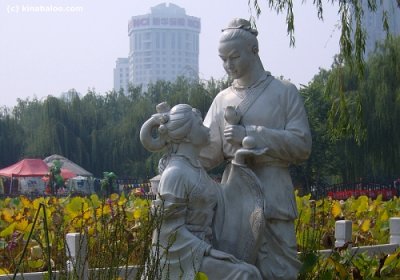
point(121, 74)
point(372, 23)
point(163, 45)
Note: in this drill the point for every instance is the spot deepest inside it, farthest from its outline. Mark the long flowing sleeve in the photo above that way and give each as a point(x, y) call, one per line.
point(212, 155)
point(182, 251)
point(292, 142)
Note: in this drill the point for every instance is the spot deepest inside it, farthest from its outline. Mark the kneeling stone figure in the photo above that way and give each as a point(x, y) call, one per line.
point(187, 200)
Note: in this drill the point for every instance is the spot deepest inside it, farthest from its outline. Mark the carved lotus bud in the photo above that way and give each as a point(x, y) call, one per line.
point(232, 115)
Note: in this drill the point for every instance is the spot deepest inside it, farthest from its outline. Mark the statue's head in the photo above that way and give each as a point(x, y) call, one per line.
point(179, 123)
point(240, 29)
point(238, 48)
point(173, 127)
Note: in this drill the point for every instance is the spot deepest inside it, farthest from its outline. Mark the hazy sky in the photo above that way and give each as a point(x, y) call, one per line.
point(76, 43)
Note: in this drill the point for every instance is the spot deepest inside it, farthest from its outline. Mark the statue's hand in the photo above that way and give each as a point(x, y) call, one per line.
point(223, 256)
point(234, 134)
point(249, 150)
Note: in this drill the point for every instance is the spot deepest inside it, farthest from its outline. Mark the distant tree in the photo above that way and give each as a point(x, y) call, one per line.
point(378, 91)
point(56, 181)
point(341, 153)
point(323, 160)
point(352, 46)
point(11, 138)
point(352, 42)
point(97, 131)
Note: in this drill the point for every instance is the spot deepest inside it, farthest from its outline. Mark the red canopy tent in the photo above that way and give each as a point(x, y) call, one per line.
point(65, 173)
point(25, 168)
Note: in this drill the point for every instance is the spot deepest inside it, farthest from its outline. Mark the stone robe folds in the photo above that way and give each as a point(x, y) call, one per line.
point(277, 120)
point(188, 199)
point(188, 204)
point(239, 220)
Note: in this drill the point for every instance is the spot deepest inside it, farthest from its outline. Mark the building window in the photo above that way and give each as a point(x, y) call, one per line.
point(157, 40)
point(163, 40)
point(136, 41)
point(139, 41)
point(173, 42)
point(180, 40)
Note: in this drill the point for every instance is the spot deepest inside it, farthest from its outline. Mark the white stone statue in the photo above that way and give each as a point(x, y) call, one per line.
point(271, 111)
point(187, 200)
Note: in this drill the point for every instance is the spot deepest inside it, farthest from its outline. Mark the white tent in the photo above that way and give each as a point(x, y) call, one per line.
point(80, 184)
point(67, 164)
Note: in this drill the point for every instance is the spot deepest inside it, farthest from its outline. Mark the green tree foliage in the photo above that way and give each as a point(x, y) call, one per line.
point(375, 98)
point(101, 131)
point(379, 94)
point(352, 38)
point(11, 137)
point(322, 162)
point(352, 47)
point(98, 132)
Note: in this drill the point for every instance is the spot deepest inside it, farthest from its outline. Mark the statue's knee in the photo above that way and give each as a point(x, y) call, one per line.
point(253, 274)
point(270, 274)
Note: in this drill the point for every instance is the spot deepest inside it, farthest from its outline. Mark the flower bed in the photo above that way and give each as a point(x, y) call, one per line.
point(119, 232)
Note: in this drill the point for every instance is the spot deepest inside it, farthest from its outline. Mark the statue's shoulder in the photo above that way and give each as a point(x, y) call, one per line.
point(178, 177)
point(284, 84)
point(223, 93)
point(284, 87)
point(178, 168)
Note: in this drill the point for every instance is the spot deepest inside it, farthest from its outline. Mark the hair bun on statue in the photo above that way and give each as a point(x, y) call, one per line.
point(239, 23)
point(163, 107)
point(164, 118)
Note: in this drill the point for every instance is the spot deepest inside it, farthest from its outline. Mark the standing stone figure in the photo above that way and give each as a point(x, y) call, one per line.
point(187, 200)
point(271, 111)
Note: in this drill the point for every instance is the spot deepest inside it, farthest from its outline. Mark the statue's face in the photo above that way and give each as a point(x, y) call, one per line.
point(200, 134)
point(237, 57)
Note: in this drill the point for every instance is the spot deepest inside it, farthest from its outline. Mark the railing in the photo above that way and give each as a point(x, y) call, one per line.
point(387, 189)
point(343, 236)
point(78, 263)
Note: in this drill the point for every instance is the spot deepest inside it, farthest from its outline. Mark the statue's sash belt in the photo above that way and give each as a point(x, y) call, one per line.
point(253, 94)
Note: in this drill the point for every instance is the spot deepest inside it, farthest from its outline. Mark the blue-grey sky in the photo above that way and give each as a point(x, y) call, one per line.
point(75, 43)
